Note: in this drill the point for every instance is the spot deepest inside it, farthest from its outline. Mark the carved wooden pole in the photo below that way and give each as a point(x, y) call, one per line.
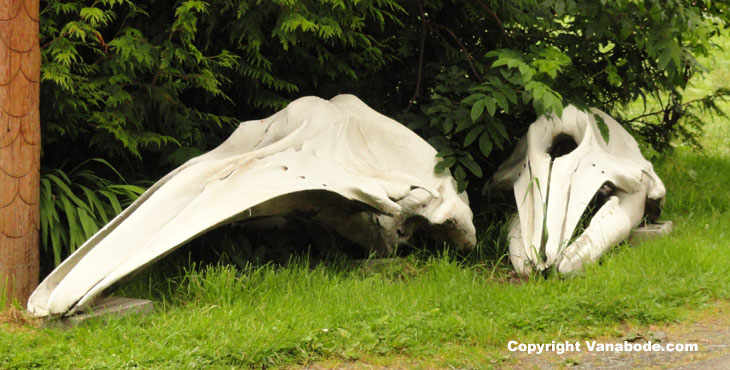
point(19, 147)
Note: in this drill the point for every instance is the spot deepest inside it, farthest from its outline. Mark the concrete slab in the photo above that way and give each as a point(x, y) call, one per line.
point(649, 231)
point(106, 307)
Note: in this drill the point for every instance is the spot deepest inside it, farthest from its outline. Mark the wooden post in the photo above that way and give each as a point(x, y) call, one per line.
point(20, 135)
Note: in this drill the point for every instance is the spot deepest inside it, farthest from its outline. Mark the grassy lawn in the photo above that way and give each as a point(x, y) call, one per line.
point(423, 312)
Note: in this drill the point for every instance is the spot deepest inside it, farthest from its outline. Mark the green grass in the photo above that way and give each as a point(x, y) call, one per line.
point(435, 311)
point(221, 317)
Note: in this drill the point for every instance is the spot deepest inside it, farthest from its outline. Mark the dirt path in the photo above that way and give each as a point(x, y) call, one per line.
point(710, 330)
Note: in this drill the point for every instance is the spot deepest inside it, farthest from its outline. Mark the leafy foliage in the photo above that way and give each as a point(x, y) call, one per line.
point(148, 85)
point(133, 80)
point(490, 68)
point(107, 84)
point(75, 205)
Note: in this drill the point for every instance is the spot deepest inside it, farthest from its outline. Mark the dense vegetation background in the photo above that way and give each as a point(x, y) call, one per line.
point(132, 89)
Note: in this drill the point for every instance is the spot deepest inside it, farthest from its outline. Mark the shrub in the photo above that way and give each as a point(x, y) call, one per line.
point(147, 86)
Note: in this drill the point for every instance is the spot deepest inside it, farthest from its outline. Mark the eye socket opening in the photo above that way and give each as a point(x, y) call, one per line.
point(562, 144)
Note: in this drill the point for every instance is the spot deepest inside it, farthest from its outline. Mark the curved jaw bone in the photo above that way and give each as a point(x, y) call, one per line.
point(556, 170)
point(363, 174)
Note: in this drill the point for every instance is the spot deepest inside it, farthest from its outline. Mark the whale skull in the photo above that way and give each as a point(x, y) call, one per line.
point(338, 162)
point(561, 166)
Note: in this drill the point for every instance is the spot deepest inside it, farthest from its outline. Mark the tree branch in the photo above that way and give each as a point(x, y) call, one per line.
point(462, 48)
point(492, 13)
point(417, 92)
point(669, 106)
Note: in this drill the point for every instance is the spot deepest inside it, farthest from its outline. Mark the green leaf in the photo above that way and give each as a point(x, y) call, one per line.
point(60, 183)
point(510, 94)
point(557, 106)
point(131, 191)
point(94, 16)
point(499, 128)
point(47, 209)
point(463, 125)
point(75, 235)
point(91, 199)
point(672, 52)
point(113, 200)
point(526, 73)
point(446, 152)
point(471, 99)
point(476, 110)
point(88, 224)
point(602, 127)
point(438, 142)
point(447, 124)
point(469, 162)
point(491, 105)
point(445, 163)
point(664, 58)
point(107, 164)
point(472, 135)
point(501, 100)
point(56, 243)
point(461, 181)
point(485, 144)
point(67, 192)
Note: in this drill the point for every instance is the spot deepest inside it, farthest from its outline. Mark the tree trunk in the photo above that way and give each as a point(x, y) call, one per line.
point(19, 148)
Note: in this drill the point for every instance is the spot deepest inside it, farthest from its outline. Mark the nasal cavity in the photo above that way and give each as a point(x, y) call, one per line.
point(562, 144)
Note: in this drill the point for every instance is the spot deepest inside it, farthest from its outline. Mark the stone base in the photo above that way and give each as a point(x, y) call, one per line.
point(107, 306)
point(649, 231)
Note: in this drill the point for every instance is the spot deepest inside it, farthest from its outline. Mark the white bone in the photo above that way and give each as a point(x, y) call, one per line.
point(552, 193)
point(363, 174)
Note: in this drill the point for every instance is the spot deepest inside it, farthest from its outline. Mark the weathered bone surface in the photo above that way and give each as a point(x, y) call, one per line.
point(339, 162)
point(557, 170)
